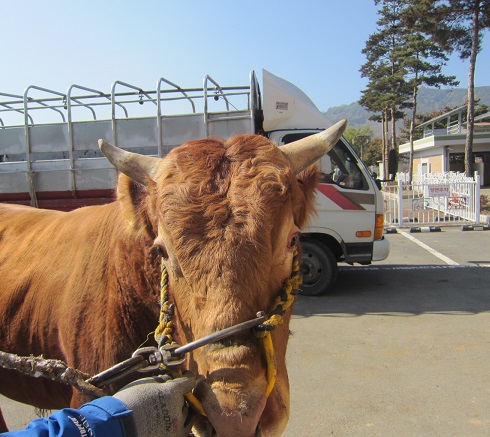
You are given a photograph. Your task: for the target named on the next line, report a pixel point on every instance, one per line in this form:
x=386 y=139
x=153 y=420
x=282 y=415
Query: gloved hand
x=159 y=407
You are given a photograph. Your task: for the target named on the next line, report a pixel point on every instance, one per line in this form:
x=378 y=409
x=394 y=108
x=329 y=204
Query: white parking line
x=429 y=249
x=383 y=267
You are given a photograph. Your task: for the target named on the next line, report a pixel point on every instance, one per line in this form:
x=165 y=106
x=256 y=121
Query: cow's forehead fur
x=224 y=198
x=227 y=193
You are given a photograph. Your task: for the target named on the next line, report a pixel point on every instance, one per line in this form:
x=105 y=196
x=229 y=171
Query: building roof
x=446 y=115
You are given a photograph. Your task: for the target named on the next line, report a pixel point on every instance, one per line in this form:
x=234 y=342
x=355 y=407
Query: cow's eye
x=162 y=251
x=159 y=246
x=294 y=241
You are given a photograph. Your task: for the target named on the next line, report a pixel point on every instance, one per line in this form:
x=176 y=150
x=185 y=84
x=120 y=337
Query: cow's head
x=226 y=216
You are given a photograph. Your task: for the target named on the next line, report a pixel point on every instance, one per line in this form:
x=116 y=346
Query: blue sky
x=314 y=44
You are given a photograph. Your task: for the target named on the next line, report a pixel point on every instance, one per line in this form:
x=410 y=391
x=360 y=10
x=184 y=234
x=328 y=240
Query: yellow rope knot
x=164 y=330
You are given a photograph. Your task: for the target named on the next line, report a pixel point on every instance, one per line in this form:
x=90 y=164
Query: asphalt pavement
x=400 y=348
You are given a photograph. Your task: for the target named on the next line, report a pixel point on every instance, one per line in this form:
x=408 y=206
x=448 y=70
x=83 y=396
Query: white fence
x=436 y=199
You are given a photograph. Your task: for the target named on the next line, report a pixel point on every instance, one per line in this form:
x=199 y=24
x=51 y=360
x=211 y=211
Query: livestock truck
x=50 y=158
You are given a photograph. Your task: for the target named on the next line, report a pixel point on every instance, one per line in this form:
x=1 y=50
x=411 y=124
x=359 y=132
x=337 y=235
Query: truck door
x=346 y=204
x=344 y=227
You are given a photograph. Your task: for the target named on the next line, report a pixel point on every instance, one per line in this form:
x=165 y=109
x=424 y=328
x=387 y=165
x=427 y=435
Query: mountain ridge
x=429 y=100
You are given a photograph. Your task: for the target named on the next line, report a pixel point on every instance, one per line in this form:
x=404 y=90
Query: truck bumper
x=381 y=249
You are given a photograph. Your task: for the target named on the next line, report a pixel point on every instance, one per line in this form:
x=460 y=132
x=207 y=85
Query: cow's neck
x=135 y=299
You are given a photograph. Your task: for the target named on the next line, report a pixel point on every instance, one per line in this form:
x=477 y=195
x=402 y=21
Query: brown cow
x=83 y=286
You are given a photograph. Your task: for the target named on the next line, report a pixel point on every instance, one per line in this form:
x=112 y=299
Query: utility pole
x=363 y=141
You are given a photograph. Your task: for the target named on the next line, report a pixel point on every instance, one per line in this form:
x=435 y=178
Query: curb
x=475 y=228
x=425 y=229
x=418 y=229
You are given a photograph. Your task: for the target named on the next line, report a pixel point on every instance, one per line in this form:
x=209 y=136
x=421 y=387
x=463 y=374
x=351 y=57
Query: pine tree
x=458 y=25
x=401 y=56
x=386 y=92
x=423 y=60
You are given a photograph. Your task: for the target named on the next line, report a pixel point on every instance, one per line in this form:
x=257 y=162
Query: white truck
x=55 y=163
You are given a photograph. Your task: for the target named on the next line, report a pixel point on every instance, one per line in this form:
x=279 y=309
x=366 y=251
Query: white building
x=442 y=147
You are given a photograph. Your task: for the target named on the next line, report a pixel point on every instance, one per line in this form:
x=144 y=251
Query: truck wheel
x=318 y=267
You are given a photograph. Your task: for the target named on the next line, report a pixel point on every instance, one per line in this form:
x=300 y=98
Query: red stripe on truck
x=338 y=197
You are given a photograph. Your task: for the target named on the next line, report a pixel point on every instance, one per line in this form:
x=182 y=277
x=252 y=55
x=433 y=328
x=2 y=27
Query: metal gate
x=436 y=199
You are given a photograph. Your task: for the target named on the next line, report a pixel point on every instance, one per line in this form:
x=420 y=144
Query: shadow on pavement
x=402 y=291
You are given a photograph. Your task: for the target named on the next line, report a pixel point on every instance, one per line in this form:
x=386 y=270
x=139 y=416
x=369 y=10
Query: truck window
x=339 y=166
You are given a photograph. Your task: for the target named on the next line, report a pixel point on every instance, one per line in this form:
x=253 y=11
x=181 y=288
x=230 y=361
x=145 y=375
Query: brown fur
x=83 y=286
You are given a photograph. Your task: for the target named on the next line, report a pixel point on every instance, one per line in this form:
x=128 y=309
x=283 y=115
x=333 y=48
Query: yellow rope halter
x=164 y=330
x=282 y=303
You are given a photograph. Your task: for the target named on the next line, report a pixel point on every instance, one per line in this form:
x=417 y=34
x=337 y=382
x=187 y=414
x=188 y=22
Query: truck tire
x=318 y=267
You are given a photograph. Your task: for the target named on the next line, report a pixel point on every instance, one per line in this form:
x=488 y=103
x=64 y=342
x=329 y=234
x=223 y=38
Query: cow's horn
x=138 y=167
x=306 y=151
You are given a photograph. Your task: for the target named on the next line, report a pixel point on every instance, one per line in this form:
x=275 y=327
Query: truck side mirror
x=392 y=164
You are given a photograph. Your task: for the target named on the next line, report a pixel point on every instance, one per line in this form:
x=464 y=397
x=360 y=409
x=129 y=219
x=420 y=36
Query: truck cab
x=349 y=220
x=348 y=225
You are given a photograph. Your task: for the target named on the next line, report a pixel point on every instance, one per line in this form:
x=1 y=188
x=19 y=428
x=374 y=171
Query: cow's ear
x=134 y=201
x=307 y=181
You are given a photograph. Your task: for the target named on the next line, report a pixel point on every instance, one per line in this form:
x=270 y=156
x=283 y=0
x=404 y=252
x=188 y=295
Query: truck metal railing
x=219 y=92
x=27 y=132
x=140 y=92
x=66 y=101
x=28 y=100
x=10 y=108
x=54 y=130
x=159 y=107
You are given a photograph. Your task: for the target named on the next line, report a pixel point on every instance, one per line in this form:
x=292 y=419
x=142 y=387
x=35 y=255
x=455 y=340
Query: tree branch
x=55 y=370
